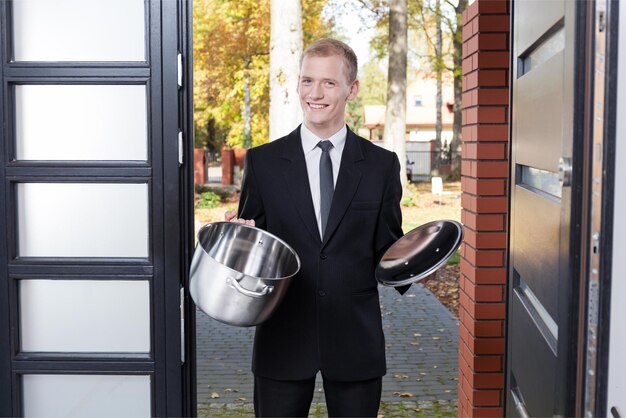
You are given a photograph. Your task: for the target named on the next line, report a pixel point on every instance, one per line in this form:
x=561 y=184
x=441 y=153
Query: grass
x=426 y=207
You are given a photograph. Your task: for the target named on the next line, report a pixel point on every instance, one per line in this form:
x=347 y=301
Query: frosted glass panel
x=84 y=316
x=81 y=122
x=86 y=395
x=82 y=220
x=79 y=30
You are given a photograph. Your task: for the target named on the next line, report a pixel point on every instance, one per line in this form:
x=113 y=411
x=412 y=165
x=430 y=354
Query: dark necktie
x=327 y=185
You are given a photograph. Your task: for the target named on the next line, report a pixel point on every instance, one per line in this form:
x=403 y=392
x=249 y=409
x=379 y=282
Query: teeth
x=316 y=106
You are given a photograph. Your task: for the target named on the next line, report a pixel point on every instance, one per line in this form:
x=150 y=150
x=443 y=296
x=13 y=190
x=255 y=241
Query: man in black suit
x=330 y=319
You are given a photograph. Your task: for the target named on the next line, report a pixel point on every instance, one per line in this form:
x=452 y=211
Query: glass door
x=91 y=175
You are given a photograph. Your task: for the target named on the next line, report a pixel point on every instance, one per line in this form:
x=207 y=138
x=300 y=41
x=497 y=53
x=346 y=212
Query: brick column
x=200 y=172
x=484 y=171
x=228 y=162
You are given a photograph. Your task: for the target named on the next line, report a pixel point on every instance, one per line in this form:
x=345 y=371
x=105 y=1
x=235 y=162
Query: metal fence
x=214 y=166
x=421 y=165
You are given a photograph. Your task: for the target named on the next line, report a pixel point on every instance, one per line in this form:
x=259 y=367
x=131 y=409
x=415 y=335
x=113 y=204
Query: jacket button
x=321 y=293
x=323 y=256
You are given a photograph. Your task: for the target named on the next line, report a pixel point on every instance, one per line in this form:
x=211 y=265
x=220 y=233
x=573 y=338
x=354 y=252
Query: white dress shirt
x=312 y=155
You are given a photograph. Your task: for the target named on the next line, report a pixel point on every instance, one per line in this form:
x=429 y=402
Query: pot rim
x=239 y=274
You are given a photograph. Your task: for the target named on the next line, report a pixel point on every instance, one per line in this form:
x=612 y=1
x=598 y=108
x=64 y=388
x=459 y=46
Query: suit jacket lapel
x=297 y=180
x=347 y=184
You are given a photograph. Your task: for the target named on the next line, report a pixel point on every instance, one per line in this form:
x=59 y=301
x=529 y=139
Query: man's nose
x=316 y=91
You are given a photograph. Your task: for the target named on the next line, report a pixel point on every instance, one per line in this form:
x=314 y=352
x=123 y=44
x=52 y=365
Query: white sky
x=349 y=18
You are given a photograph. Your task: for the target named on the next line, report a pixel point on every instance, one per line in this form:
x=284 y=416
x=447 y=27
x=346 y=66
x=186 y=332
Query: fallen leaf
x=215 y=395
x=400 y=376
x=241 y=399
x=436 y=338
x=228 y=390
x=417 y=335
x=406 y=395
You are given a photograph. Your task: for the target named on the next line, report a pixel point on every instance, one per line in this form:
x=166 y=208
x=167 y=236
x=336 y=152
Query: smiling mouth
x=317 y=106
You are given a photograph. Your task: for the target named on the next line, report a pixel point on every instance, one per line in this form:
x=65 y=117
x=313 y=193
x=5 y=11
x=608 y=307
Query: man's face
x=324 y=91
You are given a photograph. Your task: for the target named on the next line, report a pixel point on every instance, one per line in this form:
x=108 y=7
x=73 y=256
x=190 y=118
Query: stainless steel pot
x=419 y=253
x=239 y=274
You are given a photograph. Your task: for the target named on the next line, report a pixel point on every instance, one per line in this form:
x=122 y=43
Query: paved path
x=421 y=338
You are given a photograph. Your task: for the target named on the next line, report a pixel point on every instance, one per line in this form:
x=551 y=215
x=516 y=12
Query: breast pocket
x=365 y=205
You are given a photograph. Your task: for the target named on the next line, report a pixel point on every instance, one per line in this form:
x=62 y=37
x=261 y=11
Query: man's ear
x=354 y=90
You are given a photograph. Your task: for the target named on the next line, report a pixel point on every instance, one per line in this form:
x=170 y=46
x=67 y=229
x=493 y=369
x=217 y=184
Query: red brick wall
x=200 y=173
x=484 y=171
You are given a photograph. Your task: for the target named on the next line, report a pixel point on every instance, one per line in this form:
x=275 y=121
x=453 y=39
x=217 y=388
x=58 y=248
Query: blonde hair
x=327 y=47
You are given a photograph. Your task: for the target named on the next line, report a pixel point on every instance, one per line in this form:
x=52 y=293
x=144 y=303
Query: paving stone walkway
x=421 y=337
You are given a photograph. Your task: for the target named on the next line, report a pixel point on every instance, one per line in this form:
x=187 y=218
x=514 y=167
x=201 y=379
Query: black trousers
x=292 y=398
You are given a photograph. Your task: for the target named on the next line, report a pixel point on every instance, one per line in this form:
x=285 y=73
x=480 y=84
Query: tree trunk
x=438 y=71
x=457 y=42
x=395 y=118
x=247 y=139
x=285 y=51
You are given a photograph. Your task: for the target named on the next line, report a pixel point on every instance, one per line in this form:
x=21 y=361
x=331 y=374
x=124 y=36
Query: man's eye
x=306 y=82
x=330 y=84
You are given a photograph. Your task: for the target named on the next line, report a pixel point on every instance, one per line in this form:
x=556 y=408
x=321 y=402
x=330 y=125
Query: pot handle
x=251 y=293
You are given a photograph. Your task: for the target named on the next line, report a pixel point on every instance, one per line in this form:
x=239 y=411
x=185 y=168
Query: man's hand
x=231 y=216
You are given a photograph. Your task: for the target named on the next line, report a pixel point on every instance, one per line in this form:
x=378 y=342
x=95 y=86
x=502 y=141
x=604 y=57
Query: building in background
x=421 y=110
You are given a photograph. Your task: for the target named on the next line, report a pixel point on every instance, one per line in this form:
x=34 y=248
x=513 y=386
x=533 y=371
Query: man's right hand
x=231 y=216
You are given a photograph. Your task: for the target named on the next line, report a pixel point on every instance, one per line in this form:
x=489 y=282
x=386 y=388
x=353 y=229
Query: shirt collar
x=310 y=140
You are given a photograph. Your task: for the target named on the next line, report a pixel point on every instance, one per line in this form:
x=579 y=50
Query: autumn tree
x=441 y=24
x=231 y=68
x=424 y=17
x=230 y=52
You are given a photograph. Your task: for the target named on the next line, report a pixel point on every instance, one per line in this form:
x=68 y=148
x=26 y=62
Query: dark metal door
x=542 y=312
x=93 y=194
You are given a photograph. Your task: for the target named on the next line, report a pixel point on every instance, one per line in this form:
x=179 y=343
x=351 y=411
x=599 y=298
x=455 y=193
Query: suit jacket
x=330 y=317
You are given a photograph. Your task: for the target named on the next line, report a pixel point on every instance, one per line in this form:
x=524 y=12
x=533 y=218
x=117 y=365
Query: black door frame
x=168 y=30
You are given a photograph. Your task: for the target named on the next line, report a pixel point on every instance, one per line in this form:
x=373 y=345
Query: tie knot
x=325 y=145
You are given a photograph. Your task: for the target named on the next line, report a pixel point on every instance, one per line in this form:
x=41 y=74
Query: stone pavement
x=421 y=337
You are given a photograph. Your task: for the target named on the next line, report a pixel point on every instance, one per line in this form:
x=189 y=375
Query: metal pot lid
x=419 y=253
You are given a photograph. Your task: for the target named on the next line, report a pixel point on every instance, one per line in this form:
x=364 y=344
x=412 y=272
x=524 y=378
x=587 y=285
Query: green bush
x=407 y=201
x=209 y=200
x=200 y=188
x=455 y=259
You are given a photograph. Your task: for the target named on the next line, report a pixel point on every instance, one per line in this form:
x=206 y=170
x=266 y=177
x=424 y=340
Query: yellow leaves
x=403 y=394
x=215 y=395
